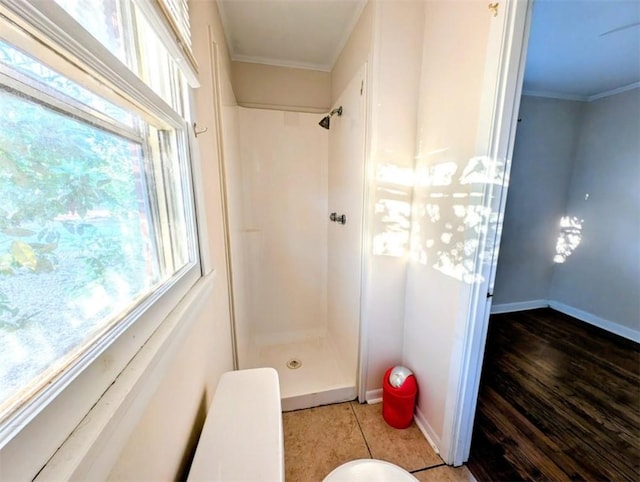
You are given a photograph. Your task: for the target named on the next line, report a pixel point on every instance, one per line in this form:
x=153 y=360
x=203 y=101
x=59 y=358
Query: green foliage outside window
x=69 y=190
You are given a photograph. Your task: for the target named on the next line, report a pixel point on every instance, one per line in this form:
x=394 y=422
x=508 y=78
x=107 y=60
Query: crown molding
x=347 y=33
x=555 y=95
x=609 y=93
x=580 y=98
x=281 y=63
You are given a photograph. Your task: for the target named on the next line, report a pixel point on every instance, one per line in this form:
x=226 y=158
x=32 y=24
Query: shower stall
x=295 y=218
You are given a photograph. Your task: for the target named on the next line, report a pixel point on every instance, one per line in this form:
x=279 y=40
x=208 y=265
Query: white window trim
x=25 y=85
x=92 y=449
x=58 y=411
x=182 y=56
x=51 y=24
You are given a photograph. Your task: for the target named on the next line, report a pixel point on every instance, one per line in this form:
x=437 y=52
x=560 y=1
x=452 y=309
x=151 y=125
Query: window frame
x=169 y=34
x=59 y=102
x=47 y=32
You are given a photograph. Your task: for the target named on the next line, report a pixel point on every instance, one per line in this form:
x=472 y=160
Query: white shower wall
x=346 y=196
x=283 y=158
x=296 y=275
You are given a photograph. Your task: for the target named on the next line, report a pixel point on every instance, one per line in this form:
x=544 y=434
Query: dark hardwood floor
x=559 y=400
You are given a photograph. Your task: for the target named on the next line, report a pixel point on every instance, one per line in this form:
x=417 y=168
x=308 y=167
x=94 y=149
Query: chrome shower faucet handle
x=342 y=219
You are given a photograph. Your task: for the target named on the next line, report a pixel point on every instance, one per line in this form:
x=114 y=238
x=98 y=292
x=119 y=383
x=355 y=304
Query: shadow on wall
x=194 y=436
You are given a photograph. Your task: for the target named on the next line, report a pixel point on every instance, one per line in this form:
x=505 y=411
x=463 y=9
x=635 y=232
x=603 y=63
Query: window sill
x=93 y=447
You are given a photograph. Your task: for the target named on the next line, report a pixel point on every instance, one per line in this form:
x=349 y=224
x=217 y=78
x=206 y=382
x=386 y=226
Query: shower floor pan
x=310 y=373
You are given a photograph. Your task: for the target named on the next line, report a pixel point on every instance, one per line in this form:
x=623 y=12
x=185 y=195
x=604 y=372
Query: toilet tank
x=242 y=434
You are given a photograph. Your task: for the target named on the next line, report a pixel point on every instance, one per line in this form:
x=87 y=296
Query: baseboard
x=373 y=396
x=607 y=325
x=427 y=430
x=519 y=306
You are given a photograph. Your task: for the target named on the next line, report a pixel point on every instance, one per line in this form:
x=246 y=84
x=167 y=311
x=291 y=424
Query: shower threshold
x=325 y=397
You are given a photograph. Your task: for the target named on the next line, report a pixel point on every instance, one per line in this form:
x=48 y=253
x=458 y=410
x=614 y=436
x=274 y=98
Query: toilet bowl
x=369 y=470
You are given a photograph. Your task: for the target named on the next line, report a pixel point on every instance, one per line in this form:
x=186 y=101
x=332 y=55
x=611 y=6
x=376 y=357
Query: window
x=97 y=221
x=104 y=19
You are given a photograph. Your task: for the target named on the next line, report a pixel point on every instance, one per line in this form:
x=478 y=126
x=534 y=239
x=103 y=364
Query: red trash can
x=398 y=403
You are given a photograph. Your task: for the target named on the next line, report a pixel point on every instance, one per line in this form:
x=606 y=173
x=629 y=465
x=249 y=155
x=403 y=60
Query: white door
x=345 y=189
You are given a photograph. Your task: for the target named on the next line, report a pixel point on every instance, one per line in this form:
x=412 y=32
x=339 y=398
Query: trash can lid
x=398 y=376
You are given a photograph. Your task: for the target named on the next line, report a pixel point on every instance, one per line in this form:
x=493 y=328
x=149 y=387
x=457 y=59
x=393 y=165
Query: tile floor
x=317 y=440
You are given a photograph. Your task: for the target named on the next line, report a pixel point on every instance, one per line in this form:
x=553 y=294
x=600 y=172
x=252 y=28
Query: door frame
x=512 y=33
x=365 y=243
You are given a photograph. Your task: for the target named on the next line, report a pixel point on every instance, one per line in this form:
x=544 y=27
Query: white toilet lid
x=369 y=470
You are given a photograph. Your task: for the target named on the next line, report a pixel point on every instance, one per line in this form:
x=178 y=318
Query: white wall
x=446 y=217
x=246 y=351
x=545 y=145
x=355 y=52
x=393 y=91
x=344 y=243
x=602 y=275
x=281 y=88
x=163 y=439
x=284 y=188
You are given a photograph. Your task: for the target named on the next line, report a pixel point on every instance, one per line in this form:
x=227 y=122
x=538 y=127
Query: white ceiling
x=577 y=48
x=292 y=33
x=582 y=48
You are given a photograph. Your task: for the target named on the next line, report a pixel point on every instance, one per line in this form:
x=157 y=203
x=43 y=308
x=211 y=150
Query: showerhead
x=326 y=120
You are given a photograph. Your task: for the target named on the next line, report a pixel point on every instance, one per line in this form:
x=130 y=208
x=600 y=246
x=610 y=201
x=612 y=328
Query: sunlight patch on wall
x=460 y=241
x=395 y=175
x=392 y=221
x=569 y=238
x=453 y=219
x=438 y=175
x=483 y=170
x=394 y=239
